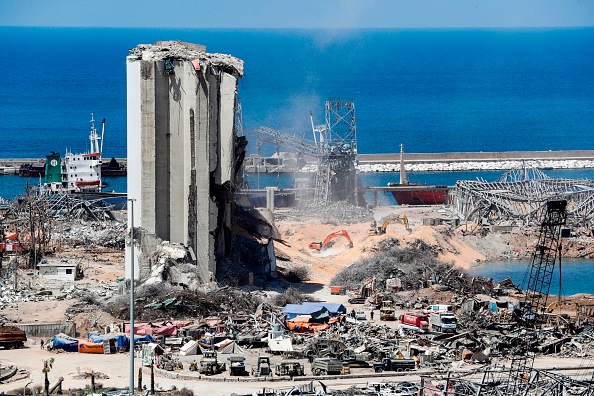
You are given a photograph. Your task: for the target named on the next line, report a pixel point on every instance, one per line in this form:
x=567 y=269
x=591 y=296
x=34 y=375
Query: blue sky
x=298 y=13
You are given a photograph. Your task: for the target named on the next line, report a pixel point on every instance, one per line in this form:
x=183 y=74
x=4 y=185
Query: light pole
x=131 y=200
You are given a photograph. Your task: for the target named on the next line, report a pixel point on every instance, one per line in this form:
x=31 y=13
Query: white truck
x=443 y=322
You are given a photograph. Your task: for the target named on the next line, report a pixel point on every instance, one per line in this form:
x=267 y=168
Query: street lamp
x=131 y=200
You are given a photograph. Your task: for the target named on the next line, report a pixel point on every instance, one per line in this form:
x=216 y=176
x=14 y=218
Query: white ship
x=75 y=173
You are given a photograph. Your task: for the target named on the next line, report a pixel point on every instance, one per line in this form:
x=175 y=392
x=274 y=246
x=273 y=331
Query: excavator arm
x=324 y=244
x=382 y=230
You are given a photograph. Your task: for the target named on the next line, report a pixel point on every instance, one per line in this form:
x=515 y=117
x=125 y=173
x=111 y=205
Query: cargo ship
x=407 y=193
x=75 y=173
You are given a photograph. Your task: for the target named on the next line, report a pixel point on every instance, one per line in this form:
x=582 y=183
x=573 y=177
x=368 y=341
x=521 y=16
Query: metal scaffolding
x=335 y=147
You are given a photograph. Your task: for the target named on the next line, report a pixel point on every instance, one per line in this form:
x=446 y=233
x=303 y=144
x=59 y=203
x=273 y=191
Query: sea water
x=567 y=279
x=432 y=90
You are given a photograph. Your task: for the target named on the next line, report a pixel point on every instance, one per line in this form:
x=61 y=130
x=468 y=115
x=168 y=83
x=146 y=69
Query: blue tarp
x=122 y=341
x=316 y=312
x=332 y=308
x=67 y=343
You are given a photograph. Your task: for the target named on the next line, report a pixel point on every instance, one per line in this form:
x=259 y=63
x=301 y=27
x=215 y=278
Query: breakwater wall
x=424 y=162
x=476 y=161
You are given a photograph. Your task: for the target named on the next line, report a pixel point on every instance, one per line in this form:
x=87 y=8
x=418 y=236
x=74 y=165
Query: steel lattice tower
x=337 y=174
x=546 y=253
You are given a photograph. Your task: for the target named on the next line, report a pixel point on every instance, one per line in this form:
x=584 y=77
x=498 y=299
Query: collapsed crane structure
x=334 y=146
x=519 y=197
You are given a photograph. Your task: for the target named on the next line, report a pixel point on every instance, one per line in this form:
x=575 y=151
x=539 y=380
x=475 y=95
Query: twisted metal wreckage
x=519 y=197
x=521 y=377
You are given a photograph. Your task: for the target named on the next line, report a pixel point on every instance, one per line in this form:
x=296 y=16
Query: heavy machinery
x=387 y=364
x=356 y=359
x=236 y=365
x=561 y=304
x=546 y=255
x=325 y=243
x=263 y=367
x=326 y=366
x=415 y=322
x=387 y=311
x=326 y=347
x=443 y=322
x=209 y=364
x=382 y=230
x=290 y=367
x=12 y=337
x=367 y=289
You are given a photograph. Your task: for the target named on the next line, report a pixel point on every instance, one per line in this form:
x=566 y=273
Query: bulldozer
x=323 y=245
x=382 y=230
x=387 y=311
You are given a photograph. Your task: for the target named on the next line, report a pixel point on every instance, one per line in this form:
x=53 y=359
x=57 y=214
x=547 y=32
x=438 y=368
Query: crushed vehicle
x=326 y=366
x=290 y=367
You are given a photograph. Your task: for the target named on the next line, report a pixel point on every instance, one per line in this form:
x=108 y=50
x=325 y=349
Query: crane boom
x=272 y=136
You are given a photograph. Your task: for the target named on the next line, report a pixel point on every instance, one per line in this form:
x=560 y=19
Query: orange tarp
x=89 y=347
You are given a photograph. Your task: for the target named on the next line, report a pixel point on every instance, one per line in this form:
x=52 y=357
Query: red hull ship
x=424 y=195
x=406 y=193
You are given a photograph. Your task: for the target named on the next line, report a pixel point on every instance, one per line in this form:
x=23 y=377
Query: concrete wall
x=181 y=146
x=47 y=329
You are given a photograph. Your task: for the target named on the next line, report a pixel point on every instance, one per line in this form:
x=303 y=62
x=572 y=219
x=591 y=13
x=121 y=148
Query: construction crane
x=522 y=378
x=382 y=230
x=325 y=243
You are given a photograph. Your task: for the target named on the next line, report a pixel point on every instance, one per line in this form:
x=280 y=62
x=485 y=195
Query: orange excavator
x=324 y=245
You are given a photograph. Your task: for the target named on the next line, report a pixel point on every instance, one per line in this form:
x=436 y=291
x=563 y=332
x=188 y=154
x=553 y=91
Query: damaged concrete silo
x=182 y=150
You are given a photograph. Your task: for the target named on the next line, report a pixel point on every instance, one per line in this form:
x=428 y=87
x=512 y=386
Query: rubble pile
x=167 y=301
x=13 y=290
x=179 y=50
x=77 y=233
x=290 y=296
x=334 y=213
x=415 y=265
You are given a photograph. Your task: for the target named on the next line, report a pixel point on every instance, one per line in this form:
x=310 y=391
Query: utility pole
x=131 y=201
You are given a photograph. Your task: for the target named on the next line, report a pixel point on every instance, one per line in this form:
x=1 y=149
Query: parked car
x=360 y=315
